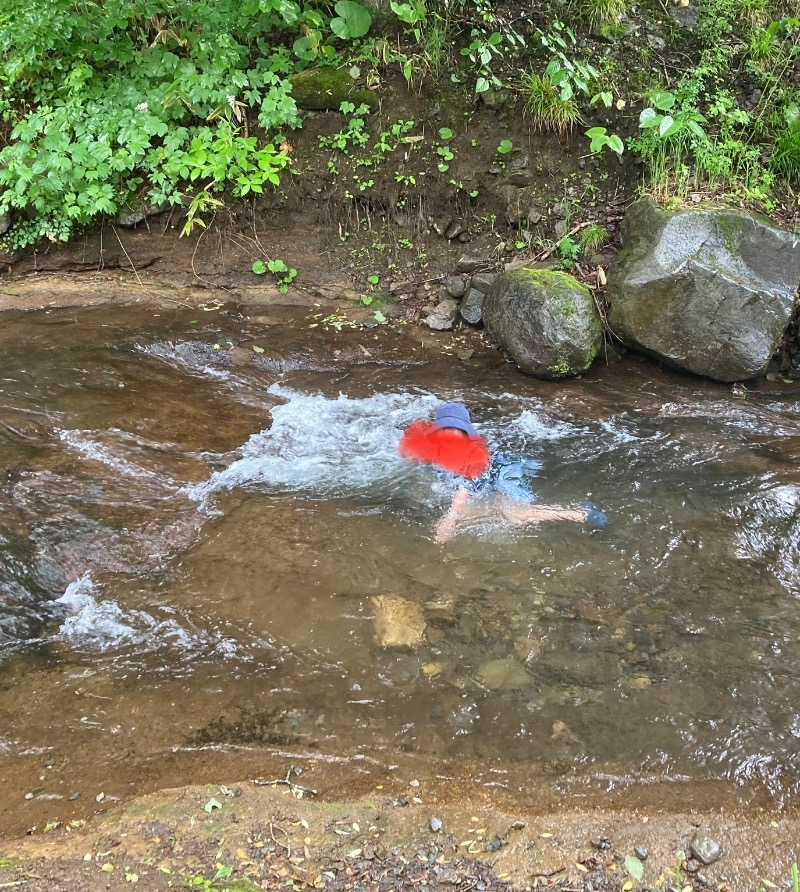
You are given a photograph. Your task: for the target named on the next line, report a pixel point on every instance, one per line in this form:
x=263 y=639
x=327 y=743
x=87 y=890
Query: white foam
x=322 y=447
x=542 y=427
x=89 y=445
x=104 y=625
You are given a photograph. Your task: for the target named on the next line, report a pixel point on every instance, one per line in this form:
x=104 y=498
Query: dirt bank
x=451 y=832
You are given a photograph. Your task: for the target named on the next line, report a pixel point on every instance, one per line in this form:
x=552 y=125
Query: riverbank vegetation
x=189 y=103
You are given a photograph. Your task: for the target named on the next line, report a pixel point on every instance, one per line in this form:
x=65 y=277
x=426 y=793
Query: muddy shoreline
x=392 y=831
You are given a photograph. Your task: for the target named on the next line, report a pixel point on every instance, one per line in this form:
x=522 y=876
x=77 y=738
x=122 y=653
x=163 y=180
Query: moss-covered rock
x=320 y=89
x=546 y=321
x=710 y=291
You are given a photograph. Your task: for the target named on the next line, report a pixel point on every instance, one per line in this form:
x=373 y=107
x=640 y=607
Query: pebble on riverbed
x=399 y=623
x=705 y=849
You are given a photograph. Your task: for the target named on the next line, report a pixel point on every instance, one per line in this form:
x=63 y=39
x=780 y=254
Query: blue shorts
x=507 y=475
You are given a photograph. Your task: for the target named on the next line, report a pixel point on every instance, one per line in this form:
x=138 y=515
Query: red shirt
x=452 y=450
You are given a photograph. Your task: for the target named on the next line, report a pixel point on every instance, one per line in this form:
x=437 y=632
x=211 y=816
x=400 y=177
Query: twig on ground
x=194 y=254
x=127 y=255
x=277 y=843
x=260 y=782
x=549 y=873
x=550 y=251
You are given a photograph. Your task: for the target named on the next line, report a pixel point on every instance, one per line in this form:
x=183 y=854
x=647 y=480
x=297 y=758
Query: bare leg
x=446 y=527
x=522 y=513
x=466 y=512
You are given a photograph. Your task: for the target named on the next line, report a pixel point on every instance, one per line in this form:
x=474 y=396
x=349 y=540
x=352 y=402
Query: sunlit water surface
x=192 y=536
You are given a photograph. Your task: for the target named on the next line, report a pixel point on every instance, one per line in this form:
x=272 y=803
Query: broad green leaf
x=258 y=267
x=616 y=144
x=211 y=805
x=663 y=101
x=353 y=20
x=649 y=118
x=665 y=125
x=634 y=867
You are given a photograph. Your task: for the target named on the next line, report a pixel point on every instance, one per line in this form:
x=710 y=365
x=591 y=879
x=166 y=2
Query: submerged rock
x=709 y=291
x=399 y=623
x=546 y=321
x=503 y=674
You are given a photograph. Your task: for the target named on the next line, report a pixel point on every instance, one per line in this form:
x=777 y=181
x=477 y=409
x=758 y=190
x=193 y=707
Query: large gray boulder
x=710 y=291
x=546 y=321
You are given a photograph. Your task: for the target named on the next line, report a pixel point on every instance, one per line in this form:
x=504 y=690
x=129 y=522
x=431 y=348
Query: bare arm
x=446 y=526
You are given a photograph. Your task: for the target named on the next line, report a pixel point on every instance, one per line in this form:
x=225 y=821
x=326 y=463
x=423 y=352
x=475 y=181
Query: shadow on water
x=193 y=534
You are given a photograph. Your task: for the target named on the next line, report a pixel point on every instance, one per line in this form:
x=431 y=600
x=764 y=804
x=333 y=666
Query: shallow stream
x=193 y=530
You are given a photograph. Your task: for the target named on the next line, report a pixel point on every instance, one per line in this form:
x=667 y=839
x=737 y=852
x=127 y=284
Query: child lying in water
x=451 y=442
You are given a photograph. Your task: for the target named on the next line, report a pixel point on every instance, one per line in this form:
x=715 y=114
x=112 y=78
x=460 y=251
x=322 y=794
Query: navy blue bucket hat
x=454 y=415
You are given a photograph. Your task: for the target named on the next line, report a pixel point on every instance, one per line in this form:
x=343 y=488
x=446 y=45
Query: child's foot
x=595 y=518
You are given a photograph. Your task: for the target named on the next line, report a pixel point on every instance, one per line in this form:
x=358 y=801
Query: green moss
x=613 y=32
x=729 y=226
x=562 y=369
x=320 y=89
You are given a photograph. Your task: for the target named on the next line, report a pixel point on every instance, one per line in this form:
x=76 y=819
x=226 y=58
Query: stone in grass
x=321 y=89
x=471 y=308
x=704 y=848
x=455 y=286
x=443 y=316
x=399 y=623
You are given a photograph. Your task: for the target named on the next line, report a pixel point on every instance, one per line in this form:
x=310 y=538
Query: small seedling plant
x=284 y=275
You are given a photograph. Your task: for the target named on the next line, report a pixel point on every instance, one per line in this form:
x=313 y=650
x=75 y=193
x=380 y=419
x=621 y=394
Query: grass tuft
x=603 y=12
x=593 y=238
x=545 y=108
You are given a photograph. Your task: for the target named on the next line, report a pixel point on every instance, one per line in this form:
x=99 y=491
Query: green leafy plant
x=352 y=20
x=600 y=138
x=670 y=121
x=675 y=874
x=569 y=251
x=110 y=107
x=505 y=147
x=446 y=155
x=545 y=108
x=786 y=156
x=634 y=867
x=550 y=102
x=284 y=275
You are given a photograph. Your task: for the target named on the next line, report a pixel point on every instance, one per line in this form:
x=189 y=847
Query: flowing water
x=193 y=532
